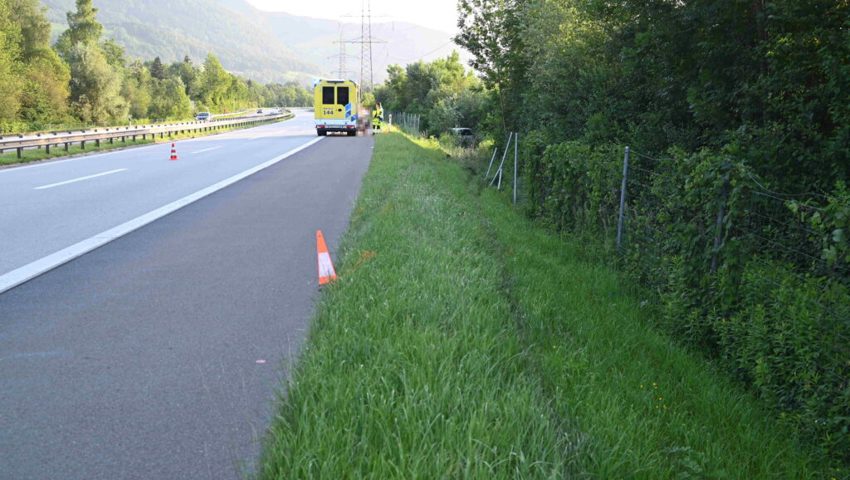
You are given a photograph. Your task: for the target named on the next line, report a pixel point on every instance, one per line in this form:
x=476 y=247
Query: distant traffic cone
x=326 y=268
x=173 y=152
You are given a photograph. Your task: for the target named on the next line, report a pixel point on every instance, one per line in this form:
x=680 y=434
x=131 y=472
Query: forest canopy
x=86 y=79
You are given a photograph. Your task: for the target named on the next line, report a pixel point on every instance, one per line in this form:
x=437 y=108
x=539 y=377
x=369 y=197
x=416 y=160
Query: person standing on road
x=377 y=117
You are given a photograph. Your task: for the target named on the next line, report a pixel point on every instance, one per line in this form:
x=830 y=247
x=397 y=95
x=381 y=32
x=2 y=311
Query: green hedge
x=763 y=289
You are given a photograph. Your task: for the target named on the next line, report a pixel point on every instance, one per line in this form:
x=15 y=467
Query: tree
x=96 y=70
x=83 y=28
x=44 y=100
x=237 y=94
x=489 y=30
x=114 y=54
x=157 y=69
x=137 y=90
x=95 y=87
x=44 y=77
x=442 y=91
x=35 y=28
x=10 y=66
x=170 y=101
x=214 y=83
x=188 y=73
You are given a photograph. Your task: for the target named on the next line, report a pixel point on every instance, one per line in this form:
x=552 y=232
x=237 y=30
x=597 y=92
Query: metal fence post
x=502 y=163
x=516 y=156
x=718 y=227
x=492 y=159
x=622 y=201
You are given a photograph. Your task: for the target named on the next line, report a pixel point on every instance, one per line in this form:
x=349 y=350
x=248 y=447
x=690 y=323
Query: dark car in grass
x=465 y=136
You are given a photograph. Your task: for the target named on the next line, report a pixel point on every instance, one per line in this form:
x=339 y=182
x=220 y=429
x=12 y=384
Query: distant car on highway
x=259 y=111
x=203 y=116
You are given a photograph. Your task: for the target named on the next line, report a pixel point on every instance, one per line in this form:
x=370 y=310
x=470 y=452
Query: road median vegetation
x=464 y=341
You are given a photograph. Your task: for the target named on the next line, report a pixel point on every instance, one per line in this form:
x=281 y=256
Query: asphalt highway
x=49 y=206
x=159 y=354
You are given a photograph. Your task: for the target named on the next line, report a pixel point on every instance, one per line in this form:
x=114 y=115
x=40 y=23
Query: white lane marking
x=206 y=150
x=80 y=179
x=47 y=163
x=31 y=270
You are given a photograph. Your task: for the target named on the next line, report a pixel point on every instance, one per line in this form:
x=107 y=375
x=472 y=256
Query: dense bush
x=573 y=185
x=737 y=114
x=789 y=337
x=443 y=93
x=697 y=234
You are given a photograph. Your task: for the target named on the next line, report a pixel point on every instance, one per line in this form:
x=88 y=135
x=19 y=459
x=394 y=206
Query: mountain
x=263 y=46
x=401 y=42
x=171 y=29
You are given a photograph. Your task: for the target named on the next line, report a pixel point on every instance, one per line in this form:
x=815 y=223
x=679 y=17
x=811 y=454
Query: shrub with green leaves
x=735 y=269
x=573 y=185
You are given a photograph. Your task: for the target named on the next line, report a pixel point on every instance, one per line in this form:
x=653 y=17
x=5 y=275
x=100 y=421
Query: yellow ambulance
x=336 y=106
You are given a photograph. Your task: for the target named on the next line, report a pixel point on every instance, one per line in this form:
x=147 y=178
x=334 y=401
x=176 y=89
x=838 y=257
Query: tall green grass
x=463 y=342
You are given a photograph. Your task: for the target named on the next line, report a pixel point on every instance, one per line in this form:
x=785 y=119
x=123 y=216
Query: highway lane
x=37 y=221
x=158 y=354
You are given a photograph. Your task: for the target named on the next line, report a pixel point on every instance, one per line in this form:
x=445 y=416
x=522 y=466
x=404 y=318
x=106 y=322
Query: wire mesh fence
x=741 y=270
x=410 y=123
x=735 y=268
x=507 y=168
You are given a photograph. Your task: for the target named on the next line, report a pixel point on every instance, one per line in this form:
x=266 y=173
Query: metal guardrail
x=67 y=138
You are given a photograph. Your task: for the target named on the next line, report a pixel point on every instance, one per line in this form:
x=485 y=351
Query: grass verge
x=462 y=341
x=56 y=152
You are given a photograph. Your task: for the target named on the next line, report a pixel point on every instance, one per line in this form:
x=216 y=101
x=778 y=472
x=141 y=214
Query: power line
x=343 y=56
x=366 y=40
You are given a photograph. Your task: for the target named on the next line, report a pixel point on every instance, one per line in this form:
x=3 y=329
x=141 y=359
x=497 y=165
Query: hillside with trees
x=172 y=30
x=263 y=46
x=86 y=79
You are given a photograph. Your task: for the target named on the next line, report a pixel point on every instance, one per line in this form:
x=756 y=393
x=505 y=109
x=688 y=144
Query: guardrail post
x=97 y=143
x=66 y=146
x=20 y=153
x=47 y=149
x=83 y=145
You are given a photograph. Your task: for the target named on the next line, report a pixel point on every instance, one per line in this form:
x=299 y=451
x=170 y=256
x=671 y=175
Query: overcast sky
x=438 y=14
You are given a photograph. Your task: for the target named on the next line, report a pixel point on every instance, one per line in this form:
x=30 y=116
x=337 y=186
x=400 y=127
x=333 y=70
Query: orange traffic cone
x=326 y=268
x=173 y=152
